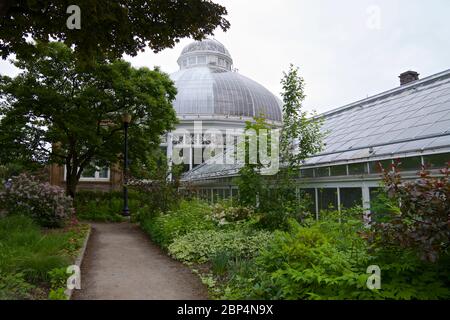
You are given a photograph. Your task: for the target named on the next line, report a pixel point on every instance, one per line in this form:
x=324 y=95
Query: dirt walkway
x=122 y=263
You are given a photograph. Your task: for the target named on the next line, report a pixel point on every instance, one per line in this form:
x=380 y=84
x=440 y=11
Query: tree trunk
x=71 y=184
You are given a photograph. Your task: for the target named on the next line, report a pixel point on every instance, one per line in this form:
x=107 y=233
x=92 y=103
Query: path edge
x=79 y=260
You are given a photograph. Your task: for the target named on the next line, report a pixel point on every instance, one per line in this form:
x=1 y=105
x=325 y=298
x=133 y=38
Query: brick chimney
x=408 y=77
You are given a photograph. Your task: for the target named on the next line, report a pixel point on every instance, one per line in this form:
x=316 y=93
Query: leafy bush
x=101 y=206
x=46 y=204
x=188 y=217
x=57 y=294
x=14 y=287
x=328 y=260
x=159 y=195
x=205 y=245
x=58 y=284
x=422 y=221
x=224 y=212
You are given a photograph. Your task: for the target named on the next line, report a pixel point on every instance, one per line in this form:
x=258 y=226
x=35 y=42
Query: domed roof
x=211 y=45
x=207 y=86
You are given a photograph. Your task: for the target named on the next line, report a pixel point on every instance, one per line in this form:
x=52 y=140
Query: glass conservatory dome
x=207 y=86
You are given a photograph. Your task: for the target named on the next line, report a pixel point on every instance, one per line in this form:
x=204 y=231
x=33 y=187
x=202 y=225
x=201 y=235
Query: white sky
x=344 y=49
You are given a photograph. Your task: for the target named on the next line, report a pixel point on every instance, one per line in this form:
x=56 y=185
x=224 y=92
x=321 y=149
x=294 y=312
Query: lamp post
x=126 y=122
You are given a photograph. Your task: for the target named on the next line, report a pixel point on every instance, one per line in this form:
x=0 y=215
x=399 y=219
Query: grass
x=29 y=253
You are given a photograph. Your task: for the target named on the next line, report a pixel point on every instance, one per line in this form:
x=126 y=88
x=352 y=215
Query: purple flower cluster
x=48 y=205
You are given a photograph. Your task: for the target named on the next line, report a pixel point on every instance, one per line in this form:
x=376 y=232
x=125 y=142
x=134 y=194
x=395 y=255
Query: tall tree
x=301 y=135
x=79 y=112
x=109 y=28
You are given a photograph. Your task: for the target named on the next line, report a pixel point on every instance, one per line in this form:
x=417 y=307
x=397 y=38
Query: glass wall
x=323 y=171
x=437 y=161
x=409 y=164
x=338 y=170
x=307 y=173
x=327 y=198
x=350 y=197
x=357 y=168
x=374 y=166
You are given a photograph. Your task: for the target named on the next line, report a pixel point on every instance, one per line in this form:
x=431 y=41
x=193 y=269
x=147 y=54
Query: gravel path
x=122 y=263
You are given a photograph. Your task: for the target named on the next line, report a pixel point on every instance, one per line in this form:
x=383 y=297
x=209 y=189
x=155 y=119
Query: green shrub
x=188 y=217
x=328 y=260
x=99 y=206
x=58 y=284
x=160 y=195
x=58 y=278
x=205 y=245
x=57 y=294
x=14 y=287
x=46 y=204
x=225 y=212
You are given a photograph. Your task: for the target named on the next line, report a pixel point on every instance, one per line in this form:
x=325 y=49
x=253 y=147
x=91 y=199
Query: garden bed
x=33 y=260
x=325 y=259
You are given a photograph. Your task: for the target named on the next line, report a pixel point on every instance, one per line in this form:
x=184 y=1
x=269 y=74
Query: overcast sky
x=346 y=49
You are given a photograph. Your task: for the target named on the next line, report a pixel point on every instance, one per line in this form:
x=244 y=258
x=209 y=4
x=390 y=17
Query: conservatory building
x=408 y=125
x=213 y=96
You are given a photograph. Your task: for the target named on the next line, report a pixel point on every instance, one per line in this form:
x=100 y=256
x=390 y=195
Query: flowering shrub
x=46 y=204
x=224 y=212
x=201 y=246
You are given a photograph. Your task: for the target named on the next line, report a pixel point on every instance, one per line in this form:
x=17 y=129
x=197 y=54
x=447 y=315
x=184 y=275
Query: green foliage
x=46 y=204
x=275 y=199
x=121 y=26
x=102 y=206
x=328 y=260
x=58 y=284
x=57 y=294
x=301 y=135
x=382 y=206
x=58 y=278
x=220 y=261
x=79 y=112
x=250 y=181
x=205 y=245
x=14 y=287
x=189 y=216
x=155 y=196
x=24 y=249
x=325 y=259
x=27 y=250
x=224 y=212
x=280 y=203
x=405 y=276
x=9 y=168
x=305 y=263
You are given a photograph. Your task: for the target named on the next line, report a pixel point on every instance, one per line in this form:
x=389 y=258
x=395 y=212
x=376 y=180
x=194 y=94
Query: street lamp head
x=126 y=118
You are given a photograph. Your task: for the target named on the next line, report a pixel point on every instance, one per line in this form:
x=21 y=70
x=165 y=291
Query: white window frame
x=92 y=179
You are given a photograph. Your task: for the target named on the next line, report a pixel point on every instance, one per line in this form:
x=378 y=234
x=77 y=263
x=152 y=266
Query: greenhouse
x=408 y=125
